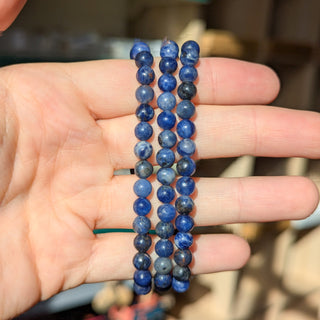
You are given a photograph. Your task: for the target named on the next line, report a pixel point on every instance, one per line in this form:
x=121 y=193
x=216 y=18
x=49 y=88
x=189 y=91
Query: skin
x=65 y=128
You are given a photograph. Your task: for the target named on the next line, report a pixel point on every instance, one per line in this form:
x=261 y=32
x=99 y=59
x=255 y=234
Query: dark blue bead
x=163 y=265
x=190 y=53
x=143 y=169
x=169 y=49
x=164 y=248
x=142 y=188
x=165 y=194
x=183 y=257
x=191 y=45
x=184 y=204
x=183 y=240
x=166 y=212
x=162 y=281
x=165 y=157
x=144 y=94
x=140 y=290
x=143 y=150
x=186 y=147
x=142 y=277
x=168 y=65
x=166 y=101
x=181 y=273
x=144 y=112
x=187 y=90
x=186 y=166
x=185 y=186
x=166 y=176
x=141 y=206
x=180 y=286
x=166 y=120
x=167 y=82
x=141 y=224
x=141 y=261
x=185 y=109
x=145 y=75
x=184 y=223
x=167 y=139
x=144 y=58
x=164 y=229
x=186 y=128
x=188 y=73
x=142 y=242
x=137 y=47
x=143 y=131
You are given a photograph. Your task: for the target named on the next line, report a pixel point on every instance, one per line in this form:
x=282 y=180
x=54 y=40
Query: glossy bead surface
x=145 y=75
x=185 y=186
x=167 y=139
x=166 y=176
x=141 y=290
x=165 y=194
x=181 y=273
x=164 y=229
x=169 y=49
x=142 y=277
x=165 y=158
x=144 y=94
x=183 y=240
x=166 y=120
x=141 y=261
x=184 y=204
x=137 y=47
x=144 y=58
x=183 y=257
x=180 y=286
x=184 y=223
x=186 y=147
x=188 y=73
x=186 y=128
x=142 y=188
x=141 y=206
x=141 y=224
x=167 y=82
x=191 y=45
x=166 y=212
x=163 y=265
x=143 y=131
x=142 y=242
x=162 y=281
x=168 y=65
x=164 y=248
x=166 y=101
x=190 y=53
x=186 y=166
x=144 y=112
x=187 y=90
x=185 y=109
x=143 y=150
x=143 y=169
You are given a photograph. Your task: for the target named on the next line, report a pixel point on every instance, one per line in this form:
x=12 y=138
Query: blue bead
x=166 y=212
x=186 y=166
x=169 y=49
x=168 y=65
x=183 y=240
x=141 y=206
x=166 y=101
x=162 y=281
x=164 y=229
x=142 y=242
x=166 y=120
x=180 y=286
x=143 y=169
x=167 y=82
x=165 y=157
x=191 y=45
x=140 y=290
x=145 y=75
x=141 y=261
x=185 y=109
x=144 y=94
x=163 y=265
x=189 y=53
x=144 y=58
x=142 y=277
x=183 y=257
x=137 y=47
x=143 y=150
x=181 y=273
x=186 y=147
x=187 y=90
x=143 y=131
x=188 y=73
x=166 y=176
x=142 y=188
x=184 y=204
x=184 y=223
x=141 y=224
x=167 y=139
x=186 y=128
x=144 y=112
x=165 y=194
x=185 y=186
x=164 y=248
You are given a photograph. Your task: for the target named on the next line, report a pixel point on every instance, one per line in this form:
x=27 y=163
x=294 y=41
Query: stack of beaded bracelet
x=140 y=52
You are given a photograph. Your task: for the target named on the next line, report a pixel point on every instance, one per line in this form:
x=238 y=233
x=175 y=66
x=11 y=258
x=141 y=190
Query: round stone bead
x=145 y=75
x=144 y=94
x=141 y=224
x=187 y=90
x=186 y=128
x=184 y=204
x=164 y=248
x=166 y=120
x=144 y=112
x=186 y=147
x=142 y=188
x=143 y=150
x=165 y=194
x=183 y=240
x=144 y=58
x=167 y=139
x=167 y=82
x=141 y=261
x=190 y=53
x=180 y=286
x=181 y=273
x=143 y=131
x=165 y=158
x=162 y=281
x=169 y=49
x=166 y=176
x=184 y=223
x=137 y=47
x=168 y=65
x=185 y=186
x=166 y=101
x=143 y=169
x=142 y=277
x=191 y=45
x=140 y=290
x=142 y=242
x=163 y=265
x=141 y=206
x=188 y=73
x=166 y=212
x=185 y=109
x=183 y=257
x=164 y=229
x=186 y=166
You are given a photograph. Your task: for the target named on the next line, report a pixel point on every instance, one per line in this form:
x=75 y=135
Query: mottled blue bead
x=143 y=169
x=186 y=128
x=191 y=45
x=163 y=265
x=145 y=75
x=184 y=223
x=165 y=194
x=181 y=273
x=142 y=188
x=137 y=47
x=166 y=101
x=187 y=90
x=183 y=257
x=142 y=242
x=141 y=290
x=144 y=112
x=164 y=229
x=143 y=150
x=144 y=94
x=166 y=212
x=167 y=82
x=166 y=120
x=180 y=286
x=143 y=131
x=169 y=49
x=186 y=147
x=168 y=65
x=141 y=206
x=183 y=240
x=144 y=58
x=190 y=53
x=167 y=139
x=164 y=248
x=185 y=186
x=141 y=261
x=186 y=166
x=184 y=204
x=188 y=73
x=166 y=176
x=185 y=109
x=162 y=281
x=142 y=277
x=165 y=158
x=141 y=224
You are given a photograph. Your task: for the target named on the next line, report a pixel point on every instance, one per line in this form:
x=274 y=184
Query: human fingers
x=9 y=11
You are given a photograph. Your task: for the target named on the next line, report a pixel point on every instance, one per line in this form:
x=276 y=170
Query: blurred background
x=282 y=279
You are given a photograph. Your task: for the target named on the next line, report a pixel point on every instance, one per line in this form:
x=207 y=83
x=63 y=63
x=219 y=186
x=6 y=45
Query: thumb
x=9 y=9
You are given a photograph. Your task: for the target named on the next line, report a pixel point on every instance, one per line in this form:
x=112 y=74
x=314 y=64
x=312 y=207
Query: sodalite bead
x=144 y=94
x=167 y=82
x=169 y=49
x=162 y=281
x=186 y=128
x=166 y=120
x=188 y=73
x=184 y=223
x=141 y=261
x=183 y=257
x=186 y=166
x=187 y=90
x=143 y=131
x=142 y=277
x=184 y=204
x=145 y=75
x=166 y=101
x=145 y=112
x=143 y=150
x=142 y=188
x=164 y=248
x=185 y=186
x=164 y=229
x=144 y=58
x=165 y=157
x=142 y=242
x=141 y=224
x=168 y=65
x=165 y=194
x=190 y=53
x=181 y=273
x=141 y=206
x=180 y=286
x=166 y=176
x=143 y=169
x=167 y=139
x=166 y=212
x=185 y=109
x=141 y=290
x=183 y=240
x=186 y=147
x=163 y=265
x=137 y=47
